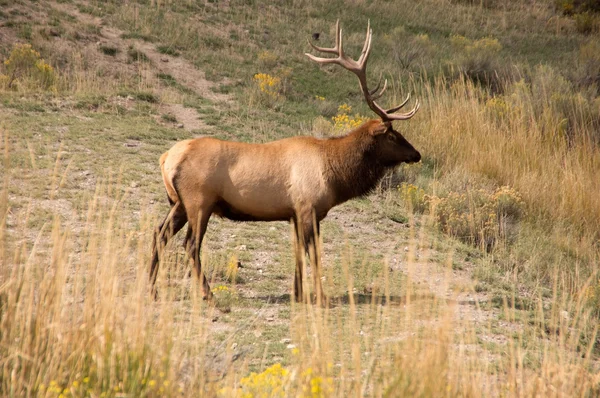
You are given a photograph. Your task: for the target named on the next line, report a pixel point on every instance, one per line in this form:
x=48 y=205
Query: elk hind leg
x=172 y=223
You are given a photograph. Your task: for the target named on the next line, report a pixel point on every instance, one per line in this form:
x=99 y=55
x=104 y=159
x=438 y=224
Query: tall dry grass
x=76 y=319
x=539 y=137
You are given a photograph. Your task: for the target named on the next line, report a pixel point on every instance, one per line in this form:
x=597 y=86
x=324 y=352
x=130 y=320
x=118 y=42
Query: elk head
x=391 y=147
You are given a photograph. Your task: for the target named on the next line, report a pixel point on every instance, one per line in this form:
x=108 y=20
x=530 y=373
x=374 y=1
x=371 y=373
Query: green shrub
x=25 y=68
x=479 y=217
x=588 y=66
x=570 y=7
x=168 y=50
x=479 y=60
x=109 y=50
x=414 y=196
x=587 y=23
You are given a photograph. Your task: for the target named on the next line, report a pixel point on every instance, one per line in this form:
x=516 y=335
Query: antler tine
x=364 y=55
x=396 y=108
x=371 y=92
x=376 y=96
x=405 y=116
x=333 y=50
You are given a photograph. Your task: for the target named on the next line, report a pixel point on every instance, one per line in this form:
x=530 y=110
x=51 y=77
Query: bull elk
x=297 y=179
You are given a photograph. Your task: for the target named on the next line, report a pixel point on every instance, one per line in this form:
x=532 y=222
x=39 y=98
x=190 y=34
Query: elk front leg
x=307 y=233
x=299 y=254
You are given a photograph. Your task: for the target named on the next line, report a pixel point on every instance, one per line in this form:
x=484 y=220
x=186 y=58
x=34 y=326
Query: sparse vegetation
x=473 y=273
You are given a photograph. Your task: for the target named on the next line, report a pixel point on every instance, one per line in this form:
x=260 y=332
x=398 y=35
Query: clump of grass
x=168 y=50
x=169 y=118
x=144 y=96
x=109 y=50
x=136 y=55
x=90 y=102
x=138 y=35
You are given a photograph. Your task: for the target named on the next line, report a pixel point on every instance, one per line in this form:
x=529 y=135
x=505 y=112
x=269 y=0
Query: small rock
x=565 y=315
x=164 y=59
x=406 y=249
x=234 y=346
x=133 y=184
x=291 y=346
x=215 y=319
x=180 y=126
x=286 y=341
x=242 y=247
x=270 y=319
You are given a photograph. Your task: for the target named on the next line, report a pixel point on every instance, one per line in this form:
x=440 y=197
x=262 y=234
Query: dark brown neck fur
x=352 y=166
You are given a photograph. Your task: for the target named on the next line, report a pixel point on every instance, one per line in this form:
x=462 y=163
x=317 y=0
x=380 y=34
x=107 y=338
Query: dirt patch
x=182 y=71
x=186 y=118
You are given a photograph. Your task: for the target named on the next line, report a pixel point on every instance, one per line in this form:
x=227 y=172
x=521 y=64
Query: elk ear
x=378 y=127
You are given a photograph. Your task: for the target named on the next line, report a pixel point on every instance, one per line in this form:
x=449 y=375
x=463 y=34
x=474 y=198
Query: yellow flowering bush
x=414 y=196
x=344 y=120
x=267 y=59
x=274 y=382
x=231 y=273
x=478 y=217
x=498 y=108
x=315 y=385
x=224 y=297
x=267 y=384
x=25 y=67
x=592 y=296
x=268 y=88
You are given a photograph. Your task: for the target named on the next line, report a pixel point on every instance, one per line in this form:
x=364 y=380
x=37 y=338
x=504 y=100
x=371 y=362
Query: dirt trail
x=180 y=69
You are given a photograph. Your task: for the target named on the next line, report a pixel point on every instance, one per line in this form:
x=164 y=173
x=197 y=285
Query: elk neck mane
x=351 y=163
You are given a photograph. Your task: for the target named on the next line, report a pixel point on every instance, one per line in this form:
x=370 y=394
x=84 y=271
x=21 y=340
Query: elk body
x=296 y=179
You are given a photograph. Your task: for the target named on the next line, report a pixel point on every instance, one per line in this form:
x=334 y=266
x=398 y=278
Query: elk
x=297 y=179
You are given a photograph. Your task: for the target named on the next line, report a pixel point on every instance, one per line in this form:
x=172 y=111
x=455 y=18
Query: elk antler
x=359 y=69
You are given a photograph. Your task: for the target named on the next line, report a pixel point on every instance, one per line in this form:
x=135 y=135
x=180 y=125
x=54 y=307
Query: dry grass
x=76 y=319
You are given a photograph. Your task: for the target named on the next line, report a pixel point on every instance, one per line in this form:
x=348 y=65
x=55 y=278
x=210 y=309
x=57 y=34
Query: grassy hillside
x=472 y=273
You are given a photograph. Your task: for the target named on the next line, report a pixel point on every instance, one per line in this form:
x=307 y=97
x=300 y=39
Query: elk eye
x=391 y=137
